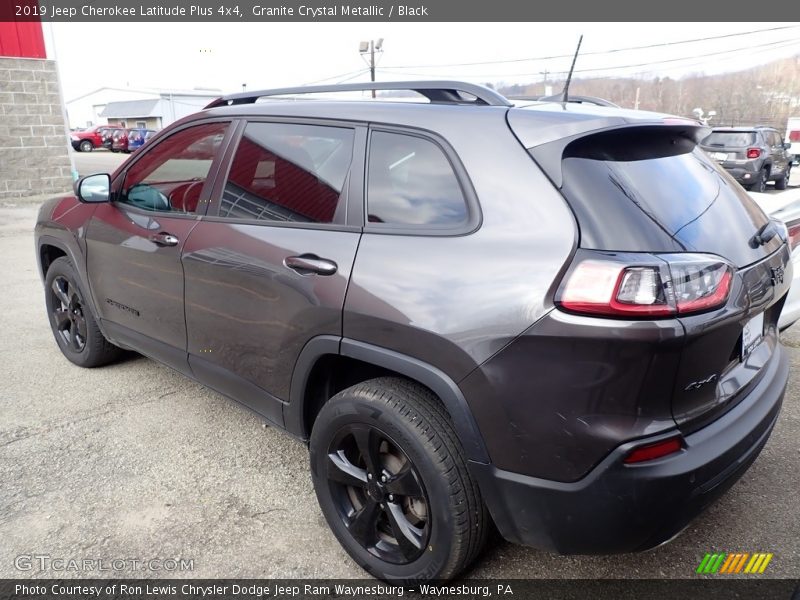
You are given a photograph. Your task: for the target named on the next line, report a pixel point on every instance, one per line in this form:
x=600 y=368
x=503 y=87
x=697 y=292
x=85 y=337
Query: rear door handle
x=307 y=264
x=164 y=239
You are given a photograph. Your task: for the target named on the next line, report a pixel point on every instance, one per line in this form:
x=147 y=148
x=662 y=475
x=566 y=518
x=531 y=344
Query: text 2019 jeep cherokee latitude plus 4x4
x=558 y=318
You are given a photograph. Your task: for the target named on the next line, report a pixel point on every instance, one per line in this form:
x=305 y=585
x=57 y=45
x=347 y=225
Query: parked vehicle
x=558 y=317
x=119 y=140
x=793 y=138
x=752 y=155
x=107 y=135
x=87 y=140
x=786 y=207
x=137 y=137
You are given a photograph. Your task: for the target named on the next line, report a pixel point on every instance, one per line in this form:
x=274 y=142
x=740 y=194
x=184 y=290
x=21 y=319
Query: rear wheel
x=783 y=182
x=392 y=481
x=760 y=184
x=71 y=319
x=86 y=146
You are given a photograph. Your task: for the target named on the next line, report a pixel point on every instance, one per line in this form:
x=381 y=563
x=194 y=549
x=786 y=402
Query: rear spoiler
x=549 y=155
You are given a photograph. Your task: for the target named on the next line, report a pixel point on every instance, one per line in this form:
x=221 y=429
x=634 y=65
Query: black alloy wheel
x=72 y=320
x=393 y=482
x=67 y=313
x=378 y=494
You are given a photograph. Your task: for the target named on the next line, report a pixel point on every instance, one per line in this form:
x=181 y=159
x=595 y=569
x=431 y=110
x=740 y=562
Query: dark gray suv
x=557 y=319
x=752 y=155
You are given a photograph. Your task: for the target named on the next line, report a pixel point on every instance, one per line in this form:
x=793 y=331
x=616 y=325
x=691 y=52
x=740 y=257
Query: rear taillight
x=753 y=153
x=654 y=451
x=794 y=235
x=672 y=284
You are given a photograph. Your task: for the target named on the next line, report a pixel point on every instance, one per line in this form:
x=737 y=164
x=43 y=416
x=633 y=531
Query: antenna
x=569 y=75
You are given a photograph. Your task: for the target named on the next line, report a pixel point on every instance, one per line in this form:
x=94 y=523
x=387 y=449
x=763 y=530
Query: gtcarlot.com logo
x=735 y=563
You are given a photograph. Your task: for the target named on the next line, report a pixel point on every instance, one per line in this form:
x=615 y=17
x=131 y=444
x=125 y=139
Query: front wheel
x=71 y=318
x=392 y=481
x=86 y=146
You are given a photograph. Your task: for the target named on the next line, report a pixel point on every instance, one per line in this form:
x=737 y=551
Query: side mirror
x=787 y=145
x=94 y=188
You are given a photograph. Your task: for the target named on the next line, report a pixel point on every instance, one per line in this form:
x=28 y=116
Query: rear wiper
x=764 y=235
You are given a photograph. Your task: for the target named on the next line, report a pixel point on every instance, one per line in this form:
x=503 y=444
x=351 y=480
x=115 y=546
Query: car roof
x=546 y=120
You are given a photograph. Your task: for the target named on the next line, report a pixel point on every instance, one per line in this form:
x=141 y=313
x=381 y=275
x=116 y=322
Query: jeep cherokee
x=557 y=319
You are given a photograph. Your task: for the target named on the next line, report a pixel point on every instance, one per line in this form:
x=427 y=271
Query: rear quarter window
x=411 y=182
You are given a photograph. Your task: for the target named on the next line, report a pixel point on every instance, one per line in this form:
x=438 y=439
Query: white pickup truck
x=793 y=137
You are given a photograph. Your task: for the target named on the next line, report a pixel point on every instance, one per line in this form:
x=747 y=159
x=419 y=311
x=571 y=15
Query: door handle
x=307 y=264
x=164 y=239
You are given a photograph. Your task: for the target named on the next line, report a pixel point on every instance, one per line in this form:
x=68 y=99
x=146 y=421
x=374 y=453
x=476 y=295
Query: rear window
x=735 y=139
x=651 y=191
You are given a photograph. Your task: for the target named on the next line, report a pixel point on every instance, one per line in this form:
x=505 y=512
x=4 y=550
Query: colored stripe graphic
x=734 y=563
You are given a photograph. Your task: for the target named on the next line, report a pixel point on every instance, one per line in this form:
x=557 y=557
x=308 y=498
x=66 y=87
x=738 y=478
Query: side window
x=411 y=182
x=289 y=172
x=170 y=176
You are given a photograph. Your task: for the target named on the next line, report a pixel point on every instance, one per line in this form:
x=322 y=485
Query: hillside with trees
x=765 y=95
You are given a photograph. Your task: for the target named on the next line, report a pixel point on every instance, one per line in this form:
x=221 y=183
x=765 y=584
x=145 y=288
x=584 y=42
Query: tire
x=783 y=182
x=405 y=508
x=72 y=321
x=760 y=185
x=86 y=146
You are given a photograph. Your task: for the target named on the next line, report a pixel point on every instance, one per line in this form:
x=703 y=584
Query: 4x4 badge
x=777 y=275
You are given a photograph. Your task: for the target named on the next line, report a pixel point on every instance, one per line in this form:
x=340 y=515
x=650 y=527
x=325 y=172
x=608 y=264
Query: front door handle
x=307 y=264
x=164 y=239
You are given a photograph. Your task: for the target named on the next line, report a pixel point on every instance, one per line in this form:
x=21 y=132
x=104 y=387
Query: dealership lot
x=134 y=461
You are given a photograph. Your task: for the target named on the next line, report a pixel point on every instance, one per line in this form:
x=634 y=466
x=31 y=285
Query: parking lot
x=137 y=461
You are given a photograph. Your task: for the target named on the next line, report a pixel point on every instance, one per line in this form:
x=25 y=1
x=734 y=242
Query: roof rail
x=437 y=92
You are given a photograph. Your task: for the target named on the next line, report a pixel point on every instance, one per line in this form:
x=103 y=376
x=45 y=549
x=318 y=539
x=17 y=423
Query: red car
x=88 y=139
x=119 y=141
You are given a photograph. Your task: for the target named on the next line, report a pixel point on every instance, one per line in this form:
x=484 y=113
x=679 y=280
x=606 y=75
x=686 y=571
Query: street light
x=371 y=47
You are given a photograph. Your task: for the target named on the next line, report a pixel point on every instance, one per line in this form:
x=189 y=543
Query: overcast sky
x=224 y=56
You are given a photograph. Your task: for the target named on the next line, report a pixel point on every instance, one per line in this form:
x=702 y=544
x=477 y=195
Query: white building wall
x=85 y=111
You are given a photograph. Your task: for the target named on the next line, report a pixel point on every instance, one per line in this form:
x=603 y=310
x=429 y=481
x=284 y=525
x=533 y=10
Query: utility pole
x=371 y=47
x=545 y=72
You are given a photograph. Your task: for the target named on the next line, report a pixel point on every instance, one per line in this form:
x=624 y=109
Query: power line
x=361 y=72
x=358 y=72
x=597 y=52
x=767 y=45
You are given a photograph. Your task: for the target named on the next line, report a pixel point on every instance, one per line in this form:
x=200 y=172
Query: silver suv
x=752 y=155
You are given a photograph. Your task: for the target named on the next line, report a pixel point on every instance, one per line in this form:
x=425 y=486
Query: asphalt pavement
x=135 y=461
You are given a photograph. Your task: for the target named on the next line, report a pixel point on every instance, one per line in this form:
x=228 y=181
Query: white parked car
x=786 y=207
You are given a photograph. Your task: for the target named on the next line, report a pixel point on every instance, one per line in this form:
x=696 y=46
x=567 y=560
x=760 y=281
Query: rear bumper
x=625 y=508
x=745 y=174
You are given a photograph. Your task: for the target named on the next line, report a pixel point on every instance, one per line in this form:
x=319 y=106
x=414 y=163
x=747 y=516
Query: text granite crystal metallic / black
x=555 y=319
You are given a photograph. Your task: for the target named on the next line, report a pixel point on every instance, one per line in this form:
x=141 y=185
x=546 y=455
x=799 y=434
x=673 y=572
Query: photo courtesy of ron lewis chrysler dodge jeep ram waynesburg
x=555 y=319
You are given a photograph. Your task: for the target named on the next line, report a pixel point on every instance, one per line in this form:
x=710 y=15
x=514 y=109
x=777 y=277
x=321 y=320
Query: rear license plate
x=751 y=333
x=720 y=155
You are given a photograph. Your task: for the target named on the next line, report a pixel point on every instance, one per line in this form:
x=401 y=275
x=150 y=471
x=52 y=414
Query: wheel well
x=330 y=375
x=48 y=254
